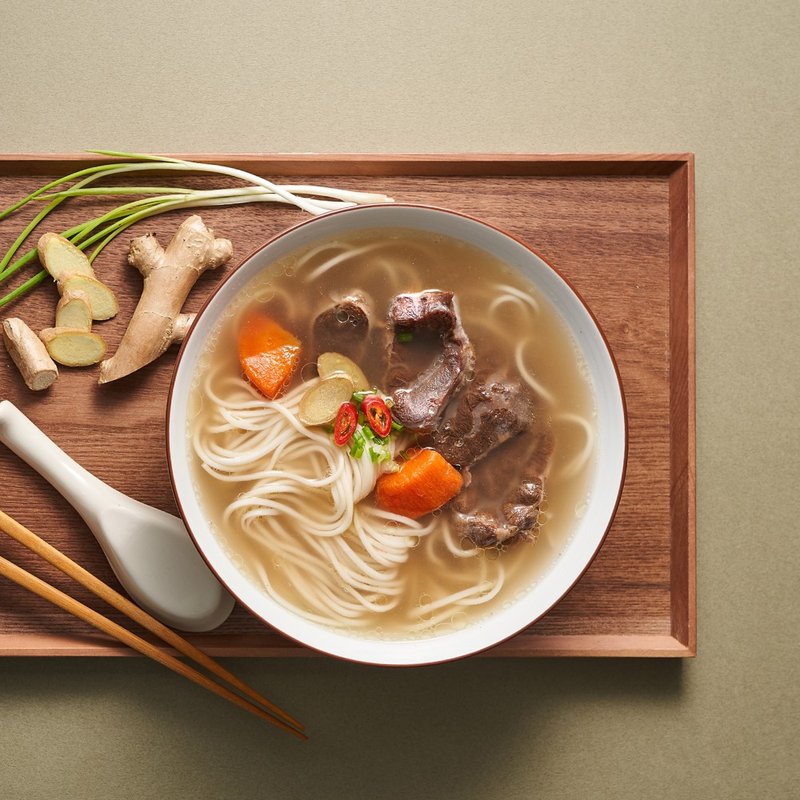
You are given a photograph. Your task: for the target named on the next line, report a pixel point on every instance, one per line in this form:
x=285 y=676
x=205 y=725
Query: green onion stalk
x=98 y=232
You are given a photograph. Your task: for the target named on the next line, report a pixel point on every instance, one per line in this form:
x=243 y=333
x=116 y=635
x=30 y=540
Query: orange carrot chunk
x=424 y=483
x=269 y=355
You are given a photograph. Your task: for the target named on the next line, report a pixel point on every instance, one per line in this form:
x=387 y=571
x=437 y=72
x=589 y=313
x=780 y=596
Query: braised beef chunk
x=488 y=414
x=430 y=310
x=519 y=518
x=429 y=355
x=522 y=509
x=518 y=515
x=342 y=328
x=482 y=529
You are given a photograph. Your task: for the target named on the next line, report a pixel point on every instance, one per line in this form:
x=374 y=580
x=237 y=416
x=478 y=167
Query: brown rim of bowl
x=422 y=206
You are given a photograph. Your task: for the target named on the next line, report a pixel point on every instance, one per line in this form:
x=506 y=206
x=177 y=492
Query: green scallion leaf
x=369 y=434
x=313 y=199
x=359 y=442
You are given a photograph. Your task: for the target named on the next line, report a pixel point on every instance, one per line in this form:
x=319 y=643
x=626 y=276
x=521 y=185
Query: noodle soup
x=297 y=514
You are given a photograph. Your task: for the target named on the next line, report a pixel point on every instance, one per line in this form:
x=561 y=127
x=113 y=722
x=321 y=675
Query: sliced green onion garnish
x=369 y=434
x=359 y=396
x=359 y=442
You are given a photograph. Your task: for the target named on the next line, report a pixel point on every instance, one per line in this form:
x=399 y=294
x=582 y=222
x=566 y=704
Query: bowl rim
x=619 y=384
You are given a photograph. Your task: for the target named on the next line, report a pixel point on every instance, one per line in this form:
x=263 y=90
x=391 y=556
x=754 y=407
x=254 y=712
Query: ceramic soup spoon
x=149 y=550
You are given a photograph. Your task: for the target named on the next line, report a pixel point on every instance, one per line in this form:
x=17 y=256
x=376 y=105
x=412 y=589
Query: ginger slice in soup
x=331 y=363
x=320 y=404
x=269 y=355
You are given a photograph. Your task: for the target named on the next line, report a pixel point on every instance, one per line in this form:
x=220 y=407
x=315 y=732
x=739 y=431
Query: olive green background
x=717 y=78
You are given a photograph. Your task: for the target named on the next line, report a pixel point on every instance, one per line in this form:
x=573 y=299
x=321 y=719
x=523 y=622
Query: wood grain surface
x=619 y=228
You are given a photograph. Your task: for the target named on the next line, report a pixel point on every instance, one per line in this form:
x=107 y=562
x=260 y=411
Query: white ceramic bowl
x=604 y=491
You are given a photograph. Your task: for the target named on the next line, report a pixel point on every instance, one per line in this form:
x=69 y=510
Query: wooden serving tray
x=619 y=227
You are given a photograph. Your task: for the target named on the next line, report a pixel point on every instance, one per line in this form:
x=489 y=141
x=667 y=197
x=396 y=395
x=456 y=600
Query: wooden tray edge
x=540 y=164
x=620 y=646
x=683 y=567
x=680 y=168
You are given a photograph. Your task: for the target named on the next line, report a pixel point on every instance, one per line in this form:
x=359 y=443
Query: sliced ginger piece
x=62 y=258
x=102 y=300
x=74 y=310
x=330 y=363
x=73 y=347
x=30 y=355
x=320 y=404
x=71 y=269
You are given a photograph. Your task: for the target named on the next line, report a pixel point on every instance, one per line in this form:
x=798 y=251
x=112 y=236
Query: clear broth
x=392 y=261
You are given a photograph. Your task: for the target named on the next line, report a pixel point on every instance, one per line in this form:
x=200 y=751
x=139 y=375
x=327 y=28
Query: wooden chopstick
x=42 y=548
x=55 y=557
x=57 y=597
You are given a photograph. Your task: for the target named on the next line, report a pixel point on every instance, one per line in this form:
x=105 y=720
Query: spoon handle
x=149 y=550
x=84 y=491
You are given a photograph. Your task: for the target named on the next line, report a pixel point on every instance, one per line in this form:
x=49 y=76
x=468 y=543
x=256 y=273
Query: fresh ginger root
x=70 y=268
x=29 y=353
x=168 y=275
x=73 y=347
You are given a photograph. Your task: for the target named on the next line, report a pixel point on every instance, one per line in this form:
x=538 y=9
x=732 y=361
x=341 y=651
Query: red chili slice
x=345 y=424
x=377 y=413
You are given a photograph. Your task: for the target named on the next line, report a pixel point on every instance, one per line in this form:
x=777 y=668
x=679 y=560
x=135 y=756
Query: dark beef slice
x=431 y=310
x=420 y=393
x=518 y=520
x=342 y=328
x=484 y=530
x=518 y=515
x=488 y=414
x=522 y=511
